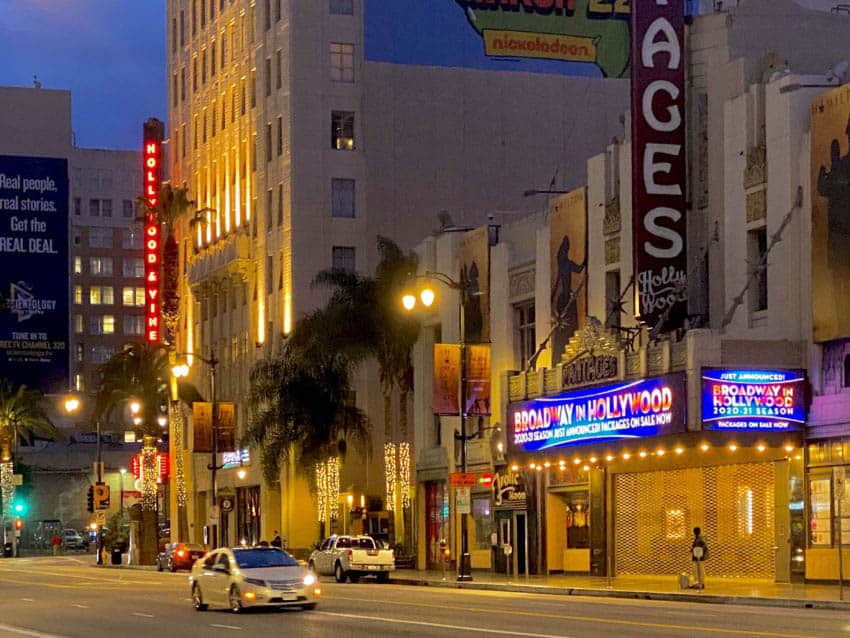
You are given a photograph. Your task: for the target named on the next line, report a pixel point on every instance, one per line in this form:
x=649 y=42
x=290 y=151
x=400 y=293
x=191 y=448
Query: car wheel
x=198 y=599
x=308 y=607
x=339 y=573
x=383 y=577
x=235 y=600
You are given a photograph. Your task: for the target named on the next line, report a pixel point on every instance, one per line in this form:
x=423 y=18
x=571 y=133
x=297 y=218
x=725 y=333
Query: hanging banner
x=658 y=161
x=568 y=262
x=474 y=253
x=34 y=272
x=225 y=426
x=628 y=410
x=831 y=214
x=753 y=400
x=152 y=136
x=478 y=380
x=446 y=399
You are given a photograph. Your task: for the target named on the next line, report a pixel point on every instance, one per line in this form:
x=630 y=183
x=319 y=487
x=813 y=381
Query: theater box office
x=618 y=475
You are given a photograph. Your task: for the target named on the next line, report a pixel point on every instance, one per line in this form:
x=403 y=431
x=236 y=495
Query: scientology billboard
x=34 y=271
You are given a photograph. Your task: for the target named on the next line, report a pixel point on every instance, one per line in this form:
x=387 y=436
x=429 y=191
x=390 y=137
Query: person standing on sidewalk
x=56 y=544
x=699 y=554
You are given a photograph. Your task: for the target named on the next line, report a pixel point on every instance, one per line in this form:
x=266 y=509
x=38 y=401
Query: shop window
x=821 y=511
x=481 y=514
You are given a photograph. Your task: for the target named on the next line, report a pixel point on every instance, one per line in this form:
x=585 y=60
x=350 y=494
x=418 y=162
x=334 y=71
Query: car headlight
x=255 y=581
x=309 y=579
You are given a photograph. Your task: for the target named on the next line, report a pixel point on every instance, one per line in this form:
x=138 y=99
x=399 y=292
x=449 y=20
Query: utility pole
x=212 y=362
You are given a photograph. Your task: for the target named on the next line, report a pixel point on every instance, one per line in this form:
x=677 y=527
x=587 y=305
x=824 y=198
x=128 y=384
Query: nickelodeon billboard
x=566 y=37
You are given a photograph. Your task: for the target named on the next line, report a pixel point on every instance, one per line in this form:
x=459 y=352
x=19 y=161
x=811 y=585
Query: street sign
x=463 y=479
x=101 y=496
x=463 y=500
x=226 y=504
x=100 y=517
x=839 y=480
x=17 y=479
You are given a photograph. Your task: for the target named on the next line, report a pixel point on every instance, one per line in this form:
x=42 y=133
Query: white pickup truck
x=352 y=557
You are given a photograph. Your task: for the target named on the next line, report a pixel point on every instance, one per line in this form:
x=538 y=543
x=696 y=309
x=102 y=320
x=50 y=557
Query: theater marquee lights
x=152 y=176
x=627 y=410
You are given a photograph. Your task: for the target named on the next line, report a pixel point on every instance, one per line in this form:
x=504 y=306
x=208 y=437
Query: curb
x=711 y=599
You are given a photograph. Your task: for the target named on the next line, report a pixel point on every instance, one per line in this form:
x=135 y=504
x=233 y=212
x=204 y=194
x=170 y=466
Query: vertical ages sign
x=153 y=133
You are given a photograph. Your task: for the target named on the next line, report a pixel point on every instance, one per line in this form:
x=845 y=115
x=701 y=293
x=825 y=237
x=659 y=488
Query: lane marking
x=78 y=606
x=422 y=623
x=20 y=631
x=227 y=627
x=142 y=615
x=28 y=600
x=589 y=619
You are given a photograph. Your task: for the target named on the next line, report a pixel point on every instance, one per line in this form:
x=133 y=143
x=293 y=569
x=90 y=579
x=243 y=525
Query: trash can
x=7 y=550
x=116 y=555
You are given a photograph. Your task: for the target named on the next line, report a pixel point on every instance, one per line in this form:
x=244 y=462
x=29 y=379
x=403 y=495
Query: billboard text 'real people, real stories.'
x=34 y=272
x=623 y=411
x=753 y=400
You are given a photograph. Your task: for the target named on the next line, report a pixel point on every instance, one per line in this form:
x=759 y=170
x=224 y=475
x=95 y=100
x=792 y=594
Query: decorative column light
x=390 y=474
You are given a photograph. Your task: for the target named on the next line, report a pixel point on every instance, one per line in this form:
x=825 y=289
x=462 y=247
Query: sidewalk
x=717 y=590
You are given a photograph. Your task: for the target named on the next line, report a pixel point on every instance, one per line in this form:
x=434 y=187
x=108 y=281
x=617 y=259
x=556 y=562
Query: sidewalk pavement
x=717 y=590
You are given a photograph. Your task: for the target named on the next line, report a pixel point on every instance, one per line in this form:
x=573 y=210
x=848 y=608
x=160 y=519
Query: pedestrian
x=56 y=544
x=276 y=541
x=699 y=554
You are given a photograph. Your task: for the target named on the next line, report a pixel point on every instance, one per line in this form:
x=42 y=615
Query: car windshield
x=258 y=558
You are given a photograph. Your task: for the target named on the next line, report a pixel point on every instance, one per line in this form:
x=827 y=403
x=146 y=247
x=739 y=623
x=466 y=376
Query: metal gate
x=655 y=513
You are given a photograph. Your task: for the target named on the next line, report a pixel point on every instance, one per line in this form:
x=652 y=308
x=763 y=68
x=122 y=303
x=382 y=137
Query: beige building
x=299 y=151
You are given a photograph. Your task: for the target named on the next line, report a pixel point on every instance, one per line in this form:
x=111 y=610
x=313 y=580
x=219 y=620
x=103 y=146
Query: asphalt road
x=68 y=597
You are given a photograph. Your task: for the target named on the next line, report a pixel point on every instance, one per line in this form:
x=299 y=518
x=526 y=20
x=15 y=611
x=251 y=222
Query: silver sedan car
x=239 y=578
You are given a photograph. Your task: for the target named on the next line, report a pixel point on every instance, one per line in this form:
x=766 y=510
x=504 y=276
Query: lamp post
x=182 y=370
x=122 y=471
x=427 y=297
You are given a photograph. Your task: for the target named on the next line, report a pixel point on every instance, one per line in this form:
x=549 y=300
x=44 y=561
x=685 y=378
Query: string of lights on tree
x=327 y=488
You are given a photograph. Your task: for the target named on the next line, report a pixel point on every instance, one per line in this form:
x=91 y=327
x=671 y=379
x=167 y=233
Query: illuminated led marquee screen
x=628 y=410
x=753 y=400
x=152 y=158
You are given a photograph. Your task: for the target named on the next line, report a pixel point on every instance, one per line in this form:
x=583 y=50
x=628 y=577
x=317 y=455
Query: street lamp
x=427 y=296
x=135 y=407
x=182 y=370
x=122 y=471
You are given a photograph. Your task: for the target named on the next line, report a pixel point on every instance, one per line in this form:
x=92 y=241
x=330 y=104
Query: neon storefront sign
x=628 y=410
x=753 y=400
x=152 y=176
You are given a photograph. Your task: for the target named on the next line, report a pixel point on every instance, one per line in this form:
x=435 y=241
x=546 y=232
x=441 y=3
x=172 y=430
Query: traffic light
x=90 y=503
x=19 y=507
x=19 y=524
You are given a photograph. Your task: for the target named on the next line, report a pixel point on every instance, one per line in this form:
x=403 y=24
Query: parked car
x=176 y=556
x=252 y=577
x=71 y=539
x=352 y=557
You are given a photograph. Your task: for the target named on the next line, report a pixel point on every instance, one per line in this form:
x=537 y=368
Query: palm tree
x=299 y=399
x=140 y=371
x=22 y=416
x=385 y=334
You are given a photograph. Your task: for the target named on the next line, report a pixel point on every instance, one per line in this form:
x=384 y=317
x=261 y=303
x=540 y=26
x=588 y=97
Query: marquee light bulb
x=732 y=447
x=761 y=447
x=626 y=456
x=577 y=461
x=789 y=448
x=660 y=451
x=609 y=458
x=514 y=468
x=679 y=450
x=704 y=447
x=593 y=459
x=642 y=454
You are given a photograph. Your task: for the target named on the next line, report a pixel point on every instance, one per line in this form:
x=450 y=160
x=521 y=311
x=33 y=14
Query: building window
x=280 y=204
x=78 y=265
x=182 y=28
x=182 y=83
x=242 y=97
x=78 y=206
x=269 y=273
x=342 y=130
x=212 y=10
x=101 y=295
x=526 y=336
x=94 y=208
x=134 y=267
x=268 y=142
x=175 y=95
x=173 y=35
x=133 y=296
x=203 y=13
x=279 y=136
x=342 y=198
x=78 y=324
x=134 y=325
x=102 y=325
x=100 y=266
x=194 y=17
x=269 y=201
x=79 y=352
x=101 y=354
x=203 y=66
x=268 y=77
x=78 y=295
x=127 y=208
x=213 y=59
x=342 y=7
x=756 y=247
x=195 y=74
x=223 y=49
x=276 y=10
x=342 y=62
x=278 y=78
x=100 y=237
x=267 y=14
x=612 y=299
x=343 y=258
x=106 y=207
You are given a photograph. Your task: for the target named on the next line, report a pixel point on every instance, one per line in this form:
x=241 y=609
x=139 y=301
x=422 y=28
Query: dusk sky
x=109 y=53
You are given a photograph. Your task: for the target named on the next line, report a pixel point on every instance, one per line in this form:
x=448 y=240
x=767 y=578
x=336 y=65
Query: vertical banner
x=658 y=161
x=446 y=399
x=225 y=426
x=34 y=278
x=152 y=136
x=475 y=275
x=568 y=260
x=831 y=214
x=478 y=379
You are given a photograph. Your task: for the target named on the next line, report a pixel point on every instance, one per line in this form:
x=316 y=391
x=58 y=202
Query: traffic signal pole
x=99 y=473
